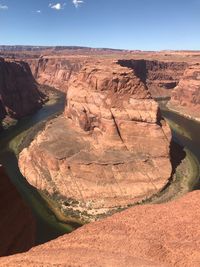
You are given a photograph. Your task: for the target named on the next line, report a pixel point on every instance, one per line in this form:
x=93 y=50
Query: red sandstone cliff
x=19 y=94
x=150 y=235
x=104 y=153
x=159 y=76
x=186 y=96
x=55 y=72
x=17 y=226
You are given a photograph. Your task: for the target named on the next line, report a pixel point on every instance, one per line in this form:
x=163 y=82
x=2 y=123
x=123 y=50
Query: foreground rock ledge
x=150 y=235
x=109 y=150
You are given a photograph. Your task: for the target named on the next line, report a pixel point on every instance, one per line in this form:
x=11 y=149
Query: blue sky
x=128 y=24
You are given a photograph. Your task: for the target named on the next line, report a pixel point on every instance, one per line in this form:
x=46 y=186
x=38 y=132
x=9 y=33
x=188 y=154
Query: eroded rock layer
x=19 y=94
x=186 y=96
x=160 y=77
x=111 y=148
x=17 y=226
x=55 y=72
x=150 y=235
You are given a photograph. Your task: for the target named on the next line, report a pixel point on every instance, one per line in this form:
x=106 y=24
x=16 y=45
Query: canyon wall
x=160 y=77
x=186 y=96
x=19 y=94
x=109 y=150
x=17 y=226
x=55 y=72
x=150 y=235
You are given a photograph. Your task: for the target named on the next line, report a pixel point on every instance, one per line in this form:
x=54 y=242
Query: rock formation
x=19 y=94
x=160 y=77
x=186 y=96
x=104 y=154
x=17 y=226
x=55 y=72
x=149 y=235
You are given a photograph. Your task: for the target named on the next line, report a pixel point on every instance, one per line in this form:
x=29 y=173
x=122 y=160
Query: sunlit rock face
x=109 y=149
x=55 y=72
x=19 y=94
x=186 y=96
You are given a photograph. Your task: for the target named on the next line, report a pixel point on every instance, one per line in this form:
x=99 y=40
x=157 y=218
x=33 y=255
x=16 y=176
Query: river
x=185 y=132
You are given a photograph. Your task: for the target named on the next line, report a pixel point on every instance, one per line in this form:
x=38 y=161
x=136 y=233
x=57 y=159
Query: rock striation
x=149 y=235
x=103 y=154
x=19 y=94
x=186 y=96
x=17 y=225
x=55 y=71
x=161 y=77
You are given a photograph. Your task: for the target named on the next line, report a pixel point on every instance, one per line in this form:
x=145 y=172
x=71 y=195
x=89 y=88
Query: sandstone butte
x=150 y=235
x=103 y=153
x=19 y=94
x=17 y=226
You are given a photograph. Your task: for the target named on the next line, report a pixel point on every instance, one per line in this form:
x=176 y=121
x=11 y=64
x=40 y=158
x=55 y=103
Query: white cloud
x=57 y=6
x=38 y=11
x=3 y=6
x=77 y=2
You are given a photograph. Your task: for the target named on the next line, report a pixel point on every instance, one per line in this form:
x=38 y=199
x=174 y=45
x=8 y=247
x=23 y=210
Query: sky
x=123 y=24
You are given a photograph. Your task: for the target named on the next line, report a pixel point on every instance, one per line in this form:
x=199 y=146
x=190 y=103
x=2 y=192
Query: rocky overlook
x=19 y=94
x=142 y=236
x=103 y=153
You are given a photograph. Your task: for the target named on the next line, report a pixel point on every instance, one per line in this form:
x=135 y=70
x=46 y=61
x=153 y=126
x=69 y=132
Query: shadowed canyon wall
x=17 y=226
x=160 y=77
x=19 y=94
